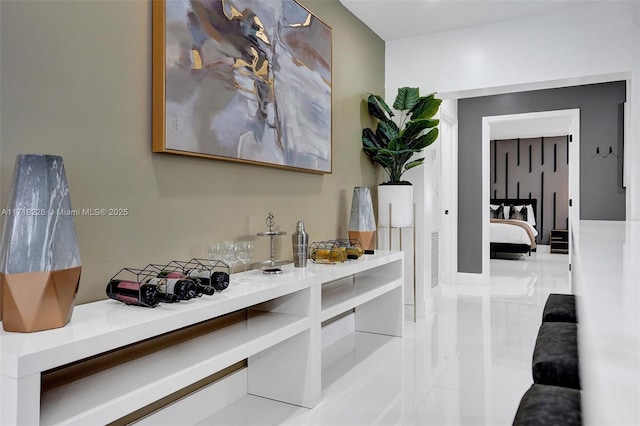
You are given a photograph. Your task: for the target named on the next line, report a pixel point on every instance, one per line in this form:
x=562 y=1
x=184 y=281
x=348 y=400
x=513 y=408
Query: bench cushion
x=560 y=308
x=544 y=405
x=555 y=357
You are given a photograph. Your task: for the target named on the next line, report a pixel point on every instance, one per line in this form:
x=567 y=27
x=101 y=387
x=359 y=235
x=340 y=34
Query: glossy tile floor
x=467 y=363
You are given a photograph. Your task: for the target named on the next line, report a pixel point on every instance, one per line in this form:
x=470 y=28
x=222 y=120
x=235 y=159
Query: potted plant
x=392 y=146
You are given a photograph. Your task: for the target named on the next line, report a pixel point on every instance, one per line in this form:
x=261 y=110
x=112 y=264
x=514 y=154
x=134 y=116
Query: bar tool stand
x=271 y=266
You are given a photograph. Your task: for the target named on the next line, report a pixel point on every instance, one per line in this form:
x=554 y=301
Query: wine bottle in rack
x=328 y=255
x=202 y=283
x=184 y=289
x=167 y=298
x=134 y=293
x=204 y=289
x=216 y=281
x=219 y=280
x=204 y=275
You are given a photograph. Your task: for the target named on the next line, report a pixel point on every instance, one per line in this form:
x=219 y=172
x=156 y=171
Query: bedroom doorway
x=529 y=125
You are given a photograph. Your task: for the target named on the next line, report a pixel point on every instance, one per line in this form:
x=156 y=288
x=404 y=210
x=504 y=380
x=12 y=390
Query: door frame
x=448 y=241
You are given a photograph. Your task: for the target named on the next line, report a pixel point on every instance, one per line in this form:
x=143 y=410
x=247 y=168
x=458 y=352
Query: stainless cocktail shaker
x=300 y=241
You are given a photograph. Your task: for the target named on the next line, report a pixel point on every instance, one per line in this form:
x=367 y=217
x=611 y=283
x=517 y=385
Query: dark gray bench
x=560 y=308
x=555 y=356
x=554 y=398
x=545 y=405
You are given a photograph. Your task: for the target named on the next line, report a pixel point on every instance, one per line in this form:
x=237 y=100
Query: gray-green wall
x=75 y=80
x=602 y=196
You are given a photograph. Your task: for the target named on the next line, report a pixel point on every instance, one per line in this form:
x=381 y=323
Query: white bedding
x=511 y=234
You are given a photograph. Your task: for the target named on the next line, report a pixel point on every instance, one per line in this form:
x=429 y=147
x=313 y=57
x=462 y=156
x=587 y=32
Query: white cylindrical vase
x=395 y=206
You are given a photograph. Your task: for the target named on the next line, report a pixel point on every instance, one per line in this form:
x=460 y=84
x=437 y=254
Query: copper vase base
x=365 y=237
x=35 y=301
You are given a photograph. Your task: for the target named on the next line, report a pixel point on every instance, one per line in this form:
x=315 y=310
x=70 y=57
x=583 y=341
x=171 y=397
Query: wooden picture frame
x=243 y=80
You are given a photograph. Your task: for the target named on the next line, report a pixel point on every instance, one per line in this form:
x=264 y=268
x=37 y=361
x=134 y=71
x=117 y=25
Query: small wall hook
x=597 y=153
x=610 y=152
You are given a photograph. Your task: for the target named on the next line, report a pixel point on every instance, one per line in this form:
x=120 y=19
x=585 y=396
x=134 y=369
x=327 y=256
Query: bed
x=512 y=227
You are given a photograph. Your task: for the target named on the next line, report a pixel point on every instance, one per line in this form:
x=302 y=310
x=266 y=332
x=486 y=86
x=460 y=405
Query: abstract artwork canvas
x=242 y=80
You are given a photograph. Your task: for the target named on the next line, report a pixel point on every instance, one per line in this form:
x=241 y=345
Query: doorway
x=547 y=123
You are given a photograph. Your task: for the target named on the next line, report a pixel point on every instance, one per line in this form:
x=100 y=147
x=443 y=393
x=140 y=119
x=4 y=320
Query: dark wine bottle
x=219 y=280
x=201 y=286
x=133 y=293
x=171 y=274
x=167 y=298
x=184 y=289
x=205 y=289
x=204 y=276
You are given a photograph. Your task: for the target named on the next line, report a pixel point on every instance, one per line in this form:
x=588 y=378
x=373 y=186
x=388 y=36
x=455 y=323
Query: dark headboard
x=518 y=202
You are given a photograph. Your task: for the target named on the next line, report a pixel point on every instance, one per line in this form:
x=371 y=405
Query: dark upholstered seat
x=560 y=308
x=544 y=405
x=555 y=357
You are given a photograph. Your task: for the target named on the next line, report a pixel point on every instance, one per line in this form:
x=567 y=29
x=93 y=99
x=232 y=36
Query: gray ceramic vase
x=39 y=256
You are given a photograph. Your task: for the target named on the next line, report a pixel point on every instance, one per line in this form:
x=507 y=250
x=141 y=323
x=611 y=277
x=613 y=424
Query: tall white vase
x=395 y=206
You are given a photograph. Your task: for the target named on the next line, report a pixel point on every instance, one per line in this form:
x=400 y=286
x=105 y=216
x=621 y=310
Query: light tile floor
x=467 y=363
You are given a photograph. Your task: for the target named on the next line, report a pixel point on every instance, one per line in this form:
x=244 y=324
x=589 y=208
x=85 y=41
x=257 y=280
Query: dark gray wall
x=535 y=168
x=602 y=196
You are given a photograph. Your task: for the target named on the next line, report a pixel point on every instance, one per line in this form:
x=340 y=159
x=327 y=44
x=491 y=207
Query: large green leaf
x=387 y=131
x=397 y=153
x=414 y=163
x=379 y=108
x=414 y=127
x=370 y=143
x=398 y=144
x=425 y=140
x=427 y=107
x=370 y=139
x=407 y=98
x=383 y=161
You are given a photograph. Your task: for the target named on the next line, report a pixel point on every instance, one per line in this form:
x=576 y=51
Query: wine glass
x=215 y=251
x=230 y=253
x=245 y=253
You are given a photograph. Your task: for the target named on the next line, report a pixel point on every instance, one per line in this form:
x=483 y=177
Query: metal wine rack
x=335 y=251
x=152 y=270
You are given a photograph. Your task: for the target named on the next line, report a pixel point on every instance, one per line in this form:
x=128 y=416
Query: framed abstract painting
x=242 y=80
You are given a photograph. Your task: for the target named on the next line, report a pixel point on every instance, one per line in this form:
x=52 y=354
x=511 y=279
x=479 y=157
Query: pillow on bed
x=496 y=211
x=518 y=212
x=531 y=217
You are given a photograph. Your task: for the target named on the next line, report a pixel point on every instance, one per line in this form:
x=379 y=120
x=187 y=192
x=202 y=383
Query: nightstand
x=559 y=241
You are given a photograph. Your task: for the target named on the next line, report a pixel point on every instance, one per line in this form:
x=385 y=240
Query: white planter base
x=395 y=206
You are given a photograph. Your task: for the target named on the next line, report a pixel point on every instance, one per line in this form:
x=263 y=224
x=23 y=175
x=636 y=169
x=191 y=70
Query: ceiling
x=396 y=19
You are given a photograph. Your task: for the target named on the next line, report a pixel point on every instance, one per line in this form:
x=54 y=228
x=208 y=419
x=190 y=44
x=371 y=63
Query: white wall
x=577 y=42
x=587 y=44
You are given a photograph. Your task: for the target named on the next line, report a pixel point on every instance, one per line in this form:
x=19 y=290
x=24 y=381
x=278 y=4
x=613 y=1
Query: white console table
x=279 y=336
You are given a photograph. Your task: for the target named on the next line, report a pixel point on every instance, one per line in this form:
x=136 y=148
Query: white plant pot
x=395 y=202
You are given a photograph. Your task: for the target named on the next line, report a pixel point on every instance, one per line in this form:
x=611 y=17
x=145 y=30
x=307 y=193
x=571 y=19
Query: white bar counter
x=606 y=280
